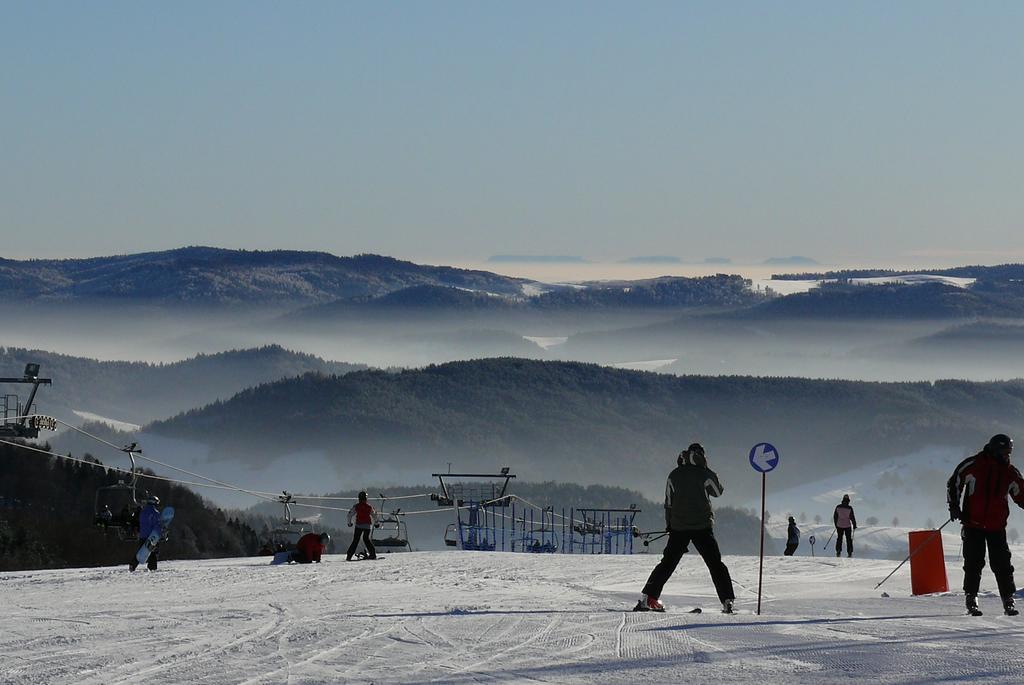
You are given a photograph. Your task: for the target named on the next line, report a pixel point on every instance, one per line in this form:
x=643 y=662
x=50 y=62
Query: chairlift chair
x=116 y=506
x=394 y=533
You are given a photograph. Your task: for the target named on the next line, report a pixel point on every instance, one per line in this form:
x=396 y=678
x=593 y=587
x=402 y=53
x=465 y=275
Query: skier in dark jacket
x=792 y=537
x=846 y=522
x=976 y=494
x=149 y=523
x=689 y=518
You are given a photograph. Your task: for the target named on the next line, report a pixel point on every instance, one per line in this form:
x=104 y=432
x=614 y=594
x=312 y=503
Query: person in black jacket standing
x=689 y=518
x=792 y=537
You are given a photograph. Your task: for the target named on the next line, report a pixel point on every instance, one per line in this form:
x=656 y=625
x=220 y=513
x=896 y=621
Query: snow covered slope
x=463 y=617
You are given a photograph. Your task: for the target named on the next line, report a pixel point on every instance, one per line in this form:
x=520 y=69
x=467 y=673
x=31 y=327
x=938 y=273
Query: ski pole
x=919 y=548
x=825 y=546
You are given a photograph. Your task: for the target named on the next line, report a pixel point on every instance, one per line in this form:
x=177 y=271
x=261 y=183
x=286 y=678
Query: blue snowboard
x=154 y=538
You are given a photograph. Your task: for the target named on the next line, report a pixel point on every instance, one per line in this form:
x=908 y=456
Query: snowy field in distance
x=467 y=617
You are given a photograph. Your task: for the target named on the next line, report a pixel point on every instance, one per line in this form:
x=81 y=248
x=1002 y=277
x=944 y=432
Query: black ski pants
x=365 y=534
x=840 y=532
x=790 y=548
x=975 y=540
x=707 y=546
x=151 y=562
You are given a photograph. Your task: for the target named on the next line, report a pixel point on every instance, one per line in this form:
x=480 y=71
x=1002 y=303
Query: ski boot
x=727 y=606
x=972 y=605
x=649 y=604
x=1008 y=607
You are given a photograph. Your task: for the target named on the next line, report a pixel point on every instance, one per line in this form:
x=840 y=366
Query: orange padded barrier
x=928 y=564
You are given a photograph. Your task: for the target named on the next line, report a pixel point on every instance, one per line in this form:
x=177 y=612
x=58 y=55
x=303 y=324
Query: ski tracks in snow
x=478 y=617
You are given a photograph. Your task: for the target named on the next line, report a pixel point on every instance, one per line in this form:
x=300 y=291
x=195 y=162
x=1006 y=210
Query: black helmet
x=362 y=495
x=693 y=456
x=1000 y=442
x=325 y=539
x=792 y=520
x=846 y=499
x=152 y=499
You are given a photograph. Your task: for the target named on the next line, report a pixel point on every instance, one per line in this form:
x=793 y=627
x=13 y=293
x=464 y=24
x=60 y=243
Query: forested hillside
x=139 y=391
x=213 y=276
x=47 y=513
x=887 y=301
x=592 y=424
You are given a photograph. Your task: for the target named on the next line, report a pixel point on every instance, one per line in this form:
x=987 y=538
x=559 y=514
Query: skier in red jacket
x=310 y=548
x=984 y=481
x=366 y=519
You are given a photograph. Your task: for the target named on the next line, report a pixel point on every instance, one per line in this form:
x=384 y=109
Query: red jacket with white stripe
x=984 y=481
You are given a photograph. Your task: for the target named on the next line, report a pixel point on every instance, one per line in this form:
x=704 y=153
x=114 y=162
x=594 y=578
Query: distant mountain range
x=933 y=300
x=536 y=259
x=212 y=276
x=137 y=392
x=593 y=424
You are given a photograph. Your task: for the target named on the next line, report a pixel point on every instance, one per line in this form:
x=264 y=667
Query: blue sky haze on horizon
x=870 y=132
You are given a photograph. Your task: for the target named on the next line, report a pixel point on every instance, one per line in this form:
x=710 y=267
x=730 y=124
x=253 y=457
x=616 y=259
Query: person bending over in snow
x=792 y=537
x=366 y=519
x=310 y=548
x=688 y=517
x=984 y=481
x=845 y=522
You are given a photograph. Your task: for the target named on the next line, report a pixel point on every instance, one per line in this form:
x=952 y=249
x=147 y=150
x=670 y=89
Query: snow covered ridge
x=467 y=617
x=912 y=279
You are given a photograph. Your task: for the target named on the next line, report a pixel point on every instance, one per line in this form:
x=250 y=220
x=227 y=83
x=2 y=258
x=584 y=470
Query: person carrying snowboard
x=976 y=494
x=366 y=519
x=689 y=518
x=149 y=522
x=792 y=537
x=845 y=522
x=310 y=548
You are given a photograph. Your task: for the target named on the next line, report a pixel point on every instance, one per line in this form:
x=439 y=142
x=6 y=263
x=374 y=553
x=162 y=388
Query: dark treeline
x=1001 y=272
x=47 y=517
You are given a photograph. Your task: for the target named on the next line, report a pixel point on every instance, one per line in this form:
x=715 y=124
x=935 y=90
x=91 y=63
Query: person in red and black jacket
x=366 y=519
x=984 y=481
x=310 y=548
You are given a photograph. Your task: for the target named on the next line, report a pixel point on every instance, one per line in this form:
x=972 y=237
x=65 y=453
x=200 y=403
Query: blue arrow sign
x=764 y=457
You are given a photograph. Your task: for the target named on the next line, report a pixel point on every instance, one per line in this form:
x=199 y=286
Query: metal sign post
x=812 y=541
x=763 y=458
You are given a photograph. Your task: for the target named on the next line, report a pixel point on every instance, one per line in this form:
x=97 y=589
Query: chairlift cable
x=112 y=468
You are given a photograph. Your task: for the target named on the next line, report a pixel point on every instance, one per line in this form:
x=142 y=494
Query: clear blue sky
x=442 y=130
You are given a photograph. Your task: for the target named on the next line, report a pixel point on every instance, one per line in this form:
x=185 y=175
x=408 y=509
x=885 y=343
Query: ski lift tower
x=479 y=500
x=285 y=535
x=20 y=420
x=604 y=531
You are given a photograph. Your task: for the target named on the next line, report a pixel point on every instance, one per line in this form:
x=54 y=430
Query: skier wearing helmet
x=310 y=548
x=976 y=494
x=149 y=522
x=366 y=519
x=689 y=518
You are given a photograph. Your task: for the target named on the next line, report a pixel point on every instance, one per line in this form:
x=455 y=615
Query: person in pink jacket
x=846 y=522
